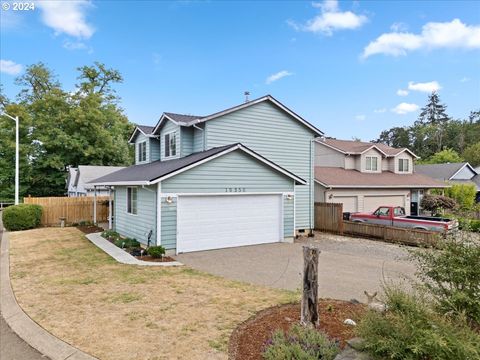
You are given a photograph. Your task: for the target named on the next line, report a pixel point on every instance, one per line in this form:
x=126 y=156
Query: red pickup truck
x=395 y=216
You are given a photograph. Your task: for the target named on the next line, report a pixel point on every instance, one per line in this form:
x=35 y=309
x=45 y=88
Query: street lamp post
x=17 y=157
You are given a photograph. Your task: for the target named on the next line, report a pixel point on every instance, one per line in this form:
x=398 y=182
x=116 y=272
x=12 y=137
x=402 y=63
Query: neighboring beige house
x=363 y=176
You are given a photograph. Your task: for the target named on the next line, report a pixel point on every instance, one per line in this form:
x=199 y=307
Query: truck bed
x=427 y=218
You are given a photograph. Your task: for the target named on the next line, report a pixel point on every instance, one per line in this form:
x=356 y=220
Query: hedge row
x=22 y=217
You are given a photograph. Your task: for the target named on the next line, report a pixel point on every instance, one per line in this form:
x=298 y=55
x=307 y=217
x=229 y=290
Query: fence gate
x=329 y=217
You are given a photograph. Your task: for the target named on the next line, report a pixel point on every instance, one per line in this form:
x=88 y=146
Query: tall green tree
x=472 y=154
x=61 y=129
x=444 y=156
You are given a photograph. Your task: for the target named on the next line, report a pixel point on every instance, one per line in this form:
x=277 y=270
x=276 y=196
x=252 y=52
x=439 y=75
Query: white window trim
x=174 y=132
x=126 y=202
x=371 y=163
x=408 y=165
x=139 y=149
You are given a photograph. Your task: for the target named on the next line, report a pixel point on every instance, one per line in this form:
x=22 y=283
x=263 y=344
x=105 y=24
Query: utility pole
x=17 y=155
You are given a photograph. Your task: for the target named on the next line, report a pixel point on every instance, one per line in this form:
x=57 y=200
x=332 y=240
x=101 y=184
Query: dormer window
x=170 y=143
x=403 y=165
x=142 y=151
x=372 y=163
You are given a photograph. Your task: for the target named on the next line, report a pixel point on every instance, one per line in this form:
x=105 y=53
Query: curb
x=122 y=256
x=28 y=330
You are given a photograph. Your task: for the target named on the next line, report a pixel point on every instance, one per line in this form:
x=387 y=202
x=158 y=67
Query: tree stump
x=309 y=311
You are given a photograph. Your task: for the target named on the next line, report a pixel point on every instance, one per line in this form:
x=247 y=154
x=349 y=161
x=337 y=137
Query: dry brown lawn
x=115 y=311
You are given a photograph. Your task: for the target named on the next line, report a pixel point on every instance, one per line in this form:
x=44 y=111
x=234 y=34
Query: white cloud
x=380 y=110
x=399 y=26
x=67 y=17
x=278 y=76
x=427 y=87
x=360 y=117
x=330 y=19
x=9 y=67
x=405 y=108
x=464 y=79
x=401 y=92
x=454 y=34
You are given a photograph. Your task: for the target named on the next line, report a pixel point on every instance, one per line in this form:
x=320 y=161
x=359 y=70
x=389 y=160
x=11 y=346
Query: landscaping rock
x=352 y=354
x=355 y=343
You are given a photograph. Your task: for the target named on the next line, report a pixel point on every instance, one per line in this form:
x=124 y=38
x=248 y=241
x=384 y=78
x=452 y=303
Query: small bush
x=22 y=217
x=410 y=329
x=126 y=243
x=475 y=225
x=301 y=343
x=156 y=252
x=452 y=276
x=111 y=235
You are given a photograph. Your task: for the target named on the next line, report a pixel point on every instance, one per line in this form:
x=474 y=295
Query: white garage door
x=213 y=222
x=371 y=203
x=349 y=203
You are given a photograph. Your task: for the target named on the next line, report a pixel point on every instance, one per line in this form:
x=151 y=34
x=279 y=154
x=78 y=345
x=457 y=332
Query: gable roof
x=87 y=173
x=152 y=173
x=144 y=129
x=442 y=171
x=190 y=120
x=334 y=177
x=352 y=147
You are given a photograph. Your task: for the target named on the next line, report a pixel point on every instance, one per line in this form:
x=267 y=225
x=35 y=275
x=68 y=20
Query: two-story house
x=363 y=176
x=240 y=176
x=77 y=182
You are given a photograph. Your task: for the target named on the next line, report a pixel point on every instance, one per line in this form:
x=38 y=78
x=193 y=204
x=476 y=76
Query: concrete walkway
x=19 y=322
x=347 y=266
x=122 y=256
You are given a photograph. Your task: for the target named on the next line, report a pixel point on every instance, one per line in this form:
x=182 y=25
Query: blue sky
x=350 y=68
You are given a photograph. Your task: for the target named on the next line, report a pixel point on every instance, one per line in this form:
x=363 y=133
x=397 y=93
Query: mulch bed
x=152 y=259
x=249 y=338
x=89 y=229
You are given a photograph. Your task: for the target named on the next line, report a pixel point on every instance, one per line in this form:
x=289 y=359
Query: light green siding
x=198 y=136
x=288 y=213
x=154 y=145
x=186 y=141
x=275 y=135
x=136 y=226
x=169 y=127
x=169 y=224
x=233 y=170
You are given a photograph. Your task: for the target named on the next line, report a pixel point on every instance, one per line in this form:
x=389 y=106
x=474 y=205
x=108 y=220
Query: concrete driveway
x=347 y=266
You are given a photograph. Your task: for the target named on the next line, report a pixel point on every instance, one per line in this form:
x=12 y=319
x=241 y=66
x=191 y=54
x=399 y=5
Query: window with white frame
x=372 y=163
x=403 y=165
x=170 y=144
x=132 y=200
x=142 y=151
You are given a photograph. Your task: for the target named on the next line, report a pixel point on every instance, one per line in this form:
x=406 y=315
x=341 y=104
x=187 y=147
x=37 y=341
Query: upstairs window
x=132 y=200
x=372 y=163
x=170 y=143
x=142 y=151
x=403 y=165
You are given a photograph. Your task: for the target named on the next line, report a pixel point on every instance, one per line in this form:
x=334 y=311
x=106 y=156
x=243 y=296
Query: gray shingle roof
x=87 y=173
x=157 y=169
x=439 y=171
x=146 y=129
x=182 y=118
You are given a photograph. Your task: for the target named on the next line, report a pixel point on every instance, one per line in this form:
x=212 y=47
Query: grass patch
x=84 y=297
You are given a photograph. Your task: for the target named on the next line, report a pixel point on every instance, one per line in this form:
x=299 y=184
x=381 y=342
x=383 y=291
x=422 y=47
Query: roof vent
x=247 y=94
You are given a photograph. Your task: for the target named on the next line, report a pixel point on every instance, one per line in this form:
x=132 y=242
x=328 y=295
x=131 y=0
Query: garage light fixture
x=330 y=196
x=289 y=197
x=169 y=199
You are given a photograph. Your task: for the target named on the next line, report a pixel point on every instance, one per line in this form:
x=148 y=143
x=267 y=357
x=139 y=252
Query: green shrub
x=126 y=243
x=475 y=225
x=302 y=343
x=463 y=194
x=452 y=276
x=156 y=251
x=22 y=217
x=410 y=329
x=111 y=235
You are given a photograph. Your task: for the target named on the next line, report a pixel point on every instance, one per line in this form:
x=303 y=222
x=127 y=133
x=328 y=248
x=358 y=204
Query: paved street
x=11 y=346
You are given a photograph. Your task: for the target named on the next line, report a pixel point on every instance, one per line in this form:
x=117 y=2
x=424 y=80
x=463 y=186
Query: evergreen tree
x=434 y=113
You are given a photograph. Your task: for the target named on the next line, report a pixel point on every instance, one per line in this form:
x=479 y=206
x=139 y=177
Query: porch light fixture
x=330 y=196
x=169 y=199
x=289 y=197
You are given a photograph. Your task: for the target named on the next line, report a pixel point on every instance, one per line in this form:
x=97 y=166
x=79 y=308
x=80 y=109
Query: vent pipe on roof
x=246 y=93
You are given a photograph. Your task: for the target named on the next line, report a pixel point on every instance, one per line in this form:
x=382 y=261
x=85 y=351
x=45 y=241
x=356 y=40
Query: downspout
x=203 y=134
x=311 y=185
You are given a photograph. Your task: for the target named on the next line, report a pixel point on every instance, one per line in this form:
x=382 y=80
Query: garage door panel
x=349 y=203
x=212 y=222
x=371 y=203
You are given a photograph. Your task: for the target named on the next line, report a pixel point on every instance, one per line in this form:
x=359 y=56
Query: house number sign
x=235 y=189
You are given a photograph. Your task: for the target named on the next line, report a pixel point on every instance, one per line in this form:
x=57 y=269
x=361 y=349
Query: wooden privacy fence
x=329 y=218
x=391 y=234
x=73 y=209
